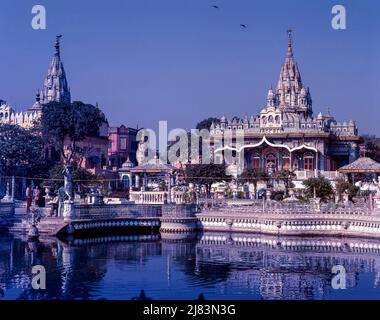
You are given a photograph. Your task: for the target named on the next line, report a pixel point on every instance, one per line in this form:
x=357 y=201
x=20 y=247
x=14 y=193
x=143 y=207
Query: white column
x=316 y=165
x=137 y=181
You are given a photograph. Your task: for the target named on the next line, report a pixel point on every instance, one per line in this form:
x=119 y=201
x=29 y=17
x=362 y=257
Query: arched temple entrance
x=271 y=157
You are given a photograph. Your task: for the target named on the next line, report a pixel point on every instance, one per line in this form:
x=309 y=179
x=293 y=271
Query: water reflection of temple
x=233 y=265
x=287 y=268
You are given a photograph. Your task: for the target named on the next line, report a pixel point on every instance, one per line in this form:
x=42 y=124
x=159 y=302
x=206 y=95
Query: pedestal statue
x=68 y=205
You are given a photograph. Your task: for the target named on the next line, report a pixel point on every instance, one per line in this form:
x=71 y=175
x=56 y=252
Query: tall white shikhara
x=55 y=88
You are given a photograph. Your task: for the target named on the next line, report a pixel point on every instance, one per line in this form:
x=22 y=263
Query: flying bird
x=216 y=7
x=243 y=26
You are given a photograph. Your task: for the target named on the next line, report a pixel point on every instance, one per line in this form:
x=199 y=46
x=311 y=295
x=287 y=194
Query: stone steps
x=46 y=226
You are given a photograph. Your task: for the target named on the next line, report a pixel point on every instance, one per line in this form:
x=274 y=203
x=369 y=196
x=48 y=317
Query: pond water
x=220 y=266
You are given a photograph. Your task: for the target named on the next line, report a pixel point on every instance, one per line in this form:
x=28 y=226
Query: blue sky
x=182 y=60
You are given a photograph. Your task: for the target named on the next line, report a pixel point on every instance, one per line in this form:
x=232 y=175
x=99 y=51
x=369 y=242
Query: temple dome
x=128 y=164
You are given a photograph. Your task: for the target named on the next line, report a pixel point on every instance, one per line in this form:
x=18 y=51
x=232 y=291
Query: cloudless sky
x=182 y=60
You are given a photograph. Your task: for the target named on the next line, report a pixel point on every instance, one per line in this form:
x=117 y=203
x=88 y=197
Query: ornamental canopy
x=362 y=165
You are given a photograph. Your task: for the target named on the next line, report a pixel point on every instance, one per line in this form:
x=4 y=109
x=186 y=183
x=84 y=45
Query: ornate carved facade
x=285 y=134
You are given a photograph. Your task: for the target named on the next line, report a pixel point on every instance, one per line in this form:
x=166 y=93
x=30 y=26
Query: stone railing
x=295 y=218
x=274 y=208
x=107 y=211
x=331 y=175
x=178 y=210
x=306 y=174
x=178 y=197
x=156 y=197
x=338 y=224
x=148 y=197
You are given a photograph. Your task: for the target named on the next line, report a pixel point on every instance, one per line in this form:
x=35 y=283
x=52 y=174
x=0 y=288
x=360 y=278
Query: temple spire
x=55 y=85
x=58 y=45
x=291 y=95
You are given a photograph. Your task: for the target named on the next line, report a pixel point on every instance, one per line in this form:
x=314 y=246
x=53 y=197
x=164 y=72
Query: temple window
x=308 y=161
x=256 y=161
x=285 y=161
x=123 y=143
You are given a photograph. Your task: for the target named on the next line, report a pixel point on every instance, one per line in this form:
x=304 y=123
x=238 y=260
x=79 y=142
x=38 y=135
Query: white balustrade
x=306 y=174
x=156 y=197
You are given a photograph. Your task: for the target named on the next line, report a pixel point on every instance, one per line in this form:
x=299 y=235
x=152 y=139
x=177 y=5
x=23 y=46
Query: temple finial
x=290 y=45
x=38 y=95
x=57 y=44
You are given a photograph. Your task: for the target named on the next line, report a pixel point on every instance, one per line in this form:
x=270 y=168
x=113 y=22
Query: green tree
x=372 y=147
x=81 y=178
x=75 y=121
x=206 y=175
x=287 y=177
x=20 y=149
x=343 y=186
x=253 y=175
x=206 y=123
x=320 y=186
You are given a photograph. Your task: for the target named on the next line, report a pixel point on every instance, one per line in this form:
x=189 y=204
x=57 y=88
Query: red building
x=122 y=145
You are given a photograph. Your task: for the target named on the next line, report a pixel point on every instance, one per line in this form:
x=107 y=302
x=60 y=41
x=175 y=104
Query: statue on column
x=68 y=205
x=68 y=182
x=61 y=199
